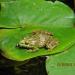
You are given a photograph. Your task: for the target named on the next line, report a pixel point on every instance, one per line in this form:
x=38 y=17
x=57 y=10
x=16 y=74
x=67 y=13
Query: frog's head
x=26 y=43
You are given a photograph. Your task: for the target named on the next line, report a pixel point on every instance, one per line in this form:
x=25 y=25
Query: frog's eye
x=33 y=33
x=51 y=34
x=26 y=43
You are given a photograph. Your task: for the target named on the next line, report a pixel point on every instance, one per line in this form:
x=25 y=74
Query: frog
x=38 y=39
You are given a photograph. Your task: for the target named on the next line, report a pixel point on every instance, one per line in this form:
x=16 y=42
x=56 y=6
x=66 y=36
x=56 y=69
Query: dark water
x=70 y=3
x=35 y=66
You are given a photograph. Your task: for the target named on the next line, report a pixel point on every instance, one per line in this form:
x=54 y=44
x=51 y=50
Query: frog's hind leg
x=52 y=44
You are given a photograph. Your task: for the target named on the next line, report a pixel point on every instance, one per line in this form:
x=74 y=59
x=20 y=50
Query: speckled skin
x=38 y=39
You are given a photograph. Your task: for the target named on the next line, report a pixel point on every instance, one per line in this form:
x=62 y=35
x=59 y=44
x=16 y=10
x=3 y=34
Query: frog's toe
x=29 y=50
x=32 y=50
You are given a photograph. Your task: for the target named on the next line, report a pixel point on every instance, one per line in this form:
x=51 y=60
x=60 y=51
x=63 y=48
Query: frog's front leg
x=33 y=49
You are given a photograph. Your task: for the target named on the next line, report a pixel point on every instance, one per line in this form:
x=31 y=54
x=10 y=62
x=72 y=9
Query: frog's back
x=42 y=32
x=41 y=37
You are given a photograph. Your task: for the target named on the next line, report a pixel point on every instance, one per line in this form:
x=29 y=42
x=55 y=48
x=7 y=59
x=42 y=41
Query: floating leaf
x=63 y=63
x=10 y=37
x=34 y=15
x=22 y=12
x=7 y=0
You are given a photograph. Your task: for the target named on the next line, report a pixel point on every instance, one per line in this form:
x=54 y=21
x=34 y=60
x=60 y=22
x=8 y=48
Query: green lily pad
x=19 y=13
x=11 y=37
x=7 y=0
x=62 y=64
x=26 y=16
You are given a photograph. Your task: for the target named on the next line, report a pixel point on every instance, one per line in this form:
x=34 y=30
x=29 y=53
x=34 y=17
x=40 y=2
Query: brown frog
x=38 y=39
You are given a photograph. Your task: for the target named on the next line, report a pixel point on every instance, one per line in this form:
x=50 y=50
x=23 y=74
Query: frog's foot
x=32 y=50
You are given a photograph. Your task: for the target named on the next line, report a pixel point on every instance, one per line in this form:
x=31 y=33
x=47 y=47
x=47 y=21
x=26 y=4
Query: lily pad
x=26 y=16
x=7 y=0
x=62 y=63
x=11 y=37
x=19 y=13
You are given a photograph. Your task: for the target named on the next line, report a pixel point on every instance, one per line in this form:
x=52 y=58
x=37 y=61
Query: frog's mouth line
x=30 y=47
x=26 y=47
